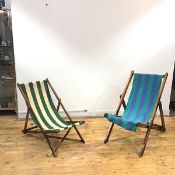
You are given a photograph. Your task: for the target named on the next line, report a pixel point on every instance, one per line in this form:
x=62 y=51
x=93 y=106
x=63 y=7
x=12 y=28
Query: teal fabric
x=141 y=102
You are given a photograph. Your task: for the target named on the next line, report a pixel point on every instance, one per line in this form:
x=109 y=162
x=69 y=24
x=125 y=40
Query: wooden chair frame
x=150 y=125
x=44 y=132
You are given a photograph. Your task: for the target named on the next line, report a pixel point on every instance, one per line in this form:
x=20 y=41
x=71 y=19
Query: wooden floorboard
x=27 y=154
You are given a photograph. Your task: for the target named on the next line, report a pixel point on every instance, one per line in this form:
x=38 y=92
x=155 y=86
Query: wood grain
x=27 y=154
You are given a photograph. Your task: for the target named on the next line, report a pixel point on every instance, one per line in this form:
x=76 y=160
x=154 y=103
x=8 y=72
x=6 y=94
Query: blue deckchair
x=144 y=99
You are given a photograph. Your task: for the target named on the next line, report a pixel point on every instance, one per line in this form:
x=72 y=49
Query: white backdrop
x=87 y=48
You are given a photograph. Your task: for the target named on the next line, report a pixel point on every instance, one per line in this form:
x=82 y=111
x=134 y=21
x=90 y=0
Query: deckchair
x=142 y=105
x=44 y=114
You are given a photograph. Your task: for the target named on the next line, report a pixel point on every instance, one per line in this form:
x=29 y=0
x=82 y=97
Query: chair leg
x=54 y=151
x=109 y=133
x=26 y=122
x=65 y=138
x=162 y=117
x=145 y=142
x=50 y=146
x=81 y=138
x=62 y=139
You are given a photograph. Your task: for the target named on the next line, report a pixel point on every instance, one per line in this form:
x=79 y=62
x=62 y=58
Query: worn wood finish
x=29 y=108
x=151 y=122
x=149 y=126
x=124 y=92
x=121 y=102
x=27 y=154
x=64 y=109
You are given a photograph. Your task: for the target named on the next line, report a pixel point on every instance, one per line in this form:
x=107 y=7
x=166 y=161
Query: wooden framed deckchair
x=142 y=105
x=44 y=114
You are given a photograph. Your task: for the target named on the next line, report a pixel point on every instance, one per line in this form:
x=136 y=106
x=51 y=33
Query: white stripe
x=42 y=108
x=34 y=107
x=35 y=110
x=50 y=108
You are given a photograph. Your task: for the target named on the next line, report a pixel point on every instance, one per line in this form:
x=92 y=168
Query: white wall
x=88 y=48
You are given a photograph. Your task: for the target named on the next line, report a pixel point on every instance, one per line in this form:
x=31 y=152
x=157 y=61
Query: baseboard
x=85 y=113
x=76 y=113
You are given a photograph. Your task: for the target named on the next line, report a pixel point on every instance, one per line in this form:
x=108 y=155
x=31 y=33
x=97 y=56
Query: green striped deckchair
x=143 y=102
x=44 y=114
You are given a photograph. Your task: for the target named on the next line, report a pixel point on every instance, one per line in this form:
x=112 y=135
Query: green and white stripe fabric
x=40 y=100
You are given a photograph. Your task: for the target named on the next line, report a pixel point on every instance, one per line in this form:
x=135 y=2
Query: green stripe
x=31 y=114
x=45 y=106
x=52 y=104
x=37 y=107
x=24 y=89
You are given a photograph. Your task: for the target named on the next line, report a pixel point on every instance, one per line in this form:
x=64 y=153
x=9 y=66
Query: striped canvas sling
x=141 y=102
x=46 y=114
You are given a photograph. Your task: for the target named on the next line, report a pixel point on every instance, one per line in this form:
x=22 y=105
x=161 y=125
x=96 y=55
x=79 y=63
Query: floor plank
x=27 y=154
